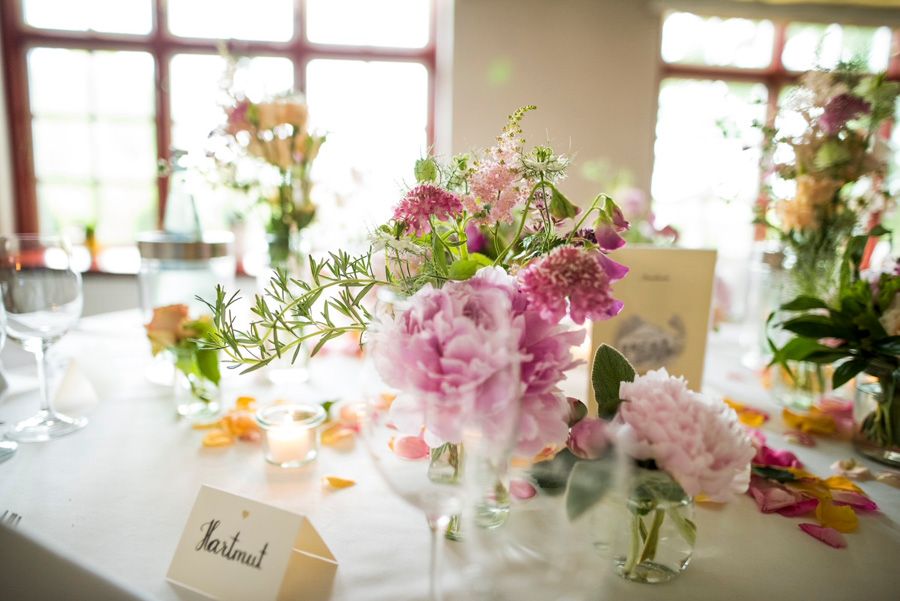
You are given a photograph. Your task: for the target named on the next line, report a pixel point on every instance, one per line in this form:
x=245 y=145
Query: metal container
x=175 y=269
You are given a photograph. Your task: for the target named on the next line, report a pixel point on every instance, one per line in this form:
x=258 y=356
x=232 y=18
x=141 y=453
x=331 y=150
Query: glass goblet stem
x=437 y=526
x=39 y=350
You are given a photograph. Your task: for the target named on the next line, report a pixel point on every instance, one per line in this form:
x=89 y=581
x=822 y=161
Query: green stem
x=520 y=228
x=649 y=551
x=595 y=206
x=632 y=560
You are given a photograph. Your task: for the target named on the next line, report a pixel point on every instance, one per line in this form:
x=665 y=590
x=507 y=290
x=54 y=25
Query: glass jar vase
x=196 y=398
x=877 y=420
x=656 y=527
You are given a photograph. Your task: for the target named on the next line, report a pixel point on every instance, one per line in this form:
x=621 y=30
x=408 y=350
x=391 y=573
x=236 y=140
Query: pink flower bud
x=588 y=438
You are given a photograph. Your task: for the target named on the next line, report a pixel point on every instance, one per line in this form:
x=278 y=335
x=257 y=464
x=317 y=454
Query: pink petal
x=854 y=500
x=771 y=497
x=800 y=438
x=522 y=489
x=411 y=447
x=829 y=536
x=768 y=456
x=800 y=508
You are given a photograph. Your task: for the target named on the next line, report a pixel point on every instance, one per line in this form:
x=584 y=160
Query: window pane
x=812 y=45
x=398 y=23
x=197 y=94
x=375 y=115
x=269 y=20
x=705 y=179
x=690 y=39
x=93 y=127
x=111 y=16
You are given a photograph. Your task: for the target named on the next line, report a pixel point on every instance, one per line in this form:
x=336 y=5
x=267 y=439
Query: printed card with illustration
x=236 y=548
x=665 y=322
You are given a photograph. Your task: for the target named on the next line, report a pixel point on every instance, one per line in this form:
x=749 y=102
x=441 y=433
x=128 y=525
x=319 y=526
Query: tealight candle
x=291 y=437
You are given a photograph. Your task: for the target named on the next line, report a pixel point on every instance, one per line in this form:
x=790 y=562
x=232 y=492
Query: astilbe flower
x=455 y=349
x=840 y=110
x=580 y=276
x=423 y=202
x=699 y=442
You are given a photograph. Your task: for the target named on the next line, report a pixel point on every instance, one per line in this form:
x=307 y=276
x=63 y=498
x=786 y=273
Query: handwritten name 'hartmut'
x=228 y=550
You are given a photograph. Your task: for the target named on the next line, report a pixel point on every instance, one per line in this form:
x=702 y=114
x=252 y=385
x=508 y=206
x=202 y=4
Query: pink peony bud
x=588 y=438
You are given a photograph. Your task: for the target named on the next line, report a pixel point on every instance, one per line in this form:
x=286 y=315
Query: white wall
x=591 y=67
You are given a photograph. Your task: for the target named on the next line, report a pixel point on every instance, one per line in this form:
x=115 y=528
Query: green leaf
x=773 y=473
x=426 y=170
x=481 y=259
x=804 y=303
x=798 y=349
x=588 y=484
x=610 y=369
x=208 y=364
x=462 y=269
x=889 y=345
x=438 y=254
x=686 y=527
x=578 y=413
x=816 y=326
x=551 y=476
x=847 y=370
x=560 y=206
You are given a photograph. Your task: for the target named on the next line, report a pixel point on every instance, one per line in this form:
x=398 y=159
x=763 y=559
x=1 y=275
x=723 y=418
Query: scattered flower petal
x=217 y=438
x=411 y=447
x=800 y=438
x=802 y=507
x=522 y=489
x=336 y=434
x=245 y=403
x=842 y=483
x=768 y=456
x=771 y=496
x=839 y=517
x=337 y=483
x=850 y=468
x=750 y=417
x=814 y=422
x=829 y=536
x=857 y=501
x=889 y=478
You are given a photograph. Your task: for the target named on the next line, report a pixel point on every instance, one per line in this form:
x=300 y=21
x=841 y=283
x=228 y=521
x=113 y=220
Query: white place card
x=236 y=548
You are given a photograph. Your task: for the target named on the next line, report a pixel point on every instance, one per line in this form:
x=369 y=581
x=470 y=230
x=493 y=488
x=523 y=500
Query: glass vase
x=803 y=386
x=196 y=398
x=878 y=423
x=656 y=527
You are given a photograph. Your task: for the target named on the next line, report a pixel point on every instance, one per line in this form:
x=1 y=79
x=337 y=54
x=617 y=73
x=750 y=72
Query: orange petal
x=337 y=483
x=336 y=434
x=815 y=422
x=245 y=403
x=217 y=438
x=207 y=425
x=840 y=517
x=352 y=414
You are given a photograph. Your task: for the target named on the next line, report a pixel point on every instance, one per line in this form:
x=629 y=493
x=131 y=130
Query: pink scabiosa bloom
x=697 y=441
x=426 y=201
x=840 y=110
x=580 y=276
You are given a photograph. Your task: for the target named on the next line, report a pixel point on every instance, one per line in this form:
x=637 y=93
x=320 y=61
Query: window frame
x=775 y=77
x=18 y=38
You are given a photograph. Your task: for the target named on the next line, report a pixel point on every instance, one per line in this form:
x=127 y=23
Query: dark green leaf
x=773 y=473
x=889 y=345
x=588 y=484
x=816 y=326
x=551 y=476
x=804 y=303
x=848 y=370
x=610 y=369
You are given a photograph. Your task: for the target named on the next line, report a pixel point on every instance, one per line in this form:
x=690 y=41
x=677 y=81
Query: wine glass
x=7 y=448
x=443 y=455
x=42 y=297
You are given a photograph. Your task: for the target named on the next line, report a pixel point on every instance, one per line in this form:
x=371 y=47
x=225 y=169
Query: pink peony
x=589 y=438
x=699 y=442
x=423 y=202
x=454 y=350
x=581 y=276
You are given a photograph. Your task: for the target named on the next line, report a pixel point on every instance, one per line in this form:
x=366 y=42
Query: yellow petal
x=842 y=483
x=814 y=488
x=336 y=434
x=337 y=483
x=217 y=438
x=207 y=425
x=840 y=517
x=814 y=422
x=753 y=418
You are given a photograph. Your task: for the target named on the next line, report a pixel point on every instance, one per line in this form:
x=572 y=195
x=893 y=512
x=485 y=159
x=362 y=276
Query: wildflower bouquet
x=542 y=259
x=273 y=134
x=839 y=146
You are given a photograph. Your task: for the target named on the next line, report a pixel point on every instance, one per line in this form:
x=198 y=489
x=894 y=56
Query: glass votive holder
x=291 y=433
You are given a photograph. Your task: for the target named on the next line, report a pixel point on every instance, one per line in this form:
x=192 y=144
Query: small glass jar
x=291 y=437
x=876 y=436
x=176 y=269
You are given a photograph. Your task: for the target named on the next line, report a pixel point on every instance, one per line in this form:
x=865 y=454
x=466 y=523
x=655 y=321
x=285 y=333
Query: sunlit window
x=110 y=92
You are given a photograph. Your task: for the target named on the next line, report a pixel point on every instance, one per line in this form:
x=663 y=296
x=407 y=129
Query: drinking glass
x=444 y=454
x=7 y=448
x=42 y=297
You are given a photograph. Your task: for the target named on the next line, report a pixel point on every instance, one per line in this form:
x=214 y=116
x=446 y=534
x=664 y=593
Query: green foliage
x=609 y=370
x=589 y=481
x=426 y=170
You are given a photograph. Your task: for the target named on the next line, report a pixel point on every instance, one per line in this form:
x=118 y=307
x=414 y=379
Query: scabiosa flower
x=423 y=202
x=699 y=442
x=840 y=110
x=580 y=276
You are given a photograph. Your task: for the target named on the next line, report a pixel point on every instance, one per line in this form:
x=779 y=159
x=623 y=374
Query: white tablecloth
x=117 y=494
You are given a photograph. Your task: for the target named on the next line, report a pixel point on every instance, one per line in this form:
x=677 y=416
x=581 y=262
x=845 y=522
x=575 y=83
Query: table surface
x=117 y=494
